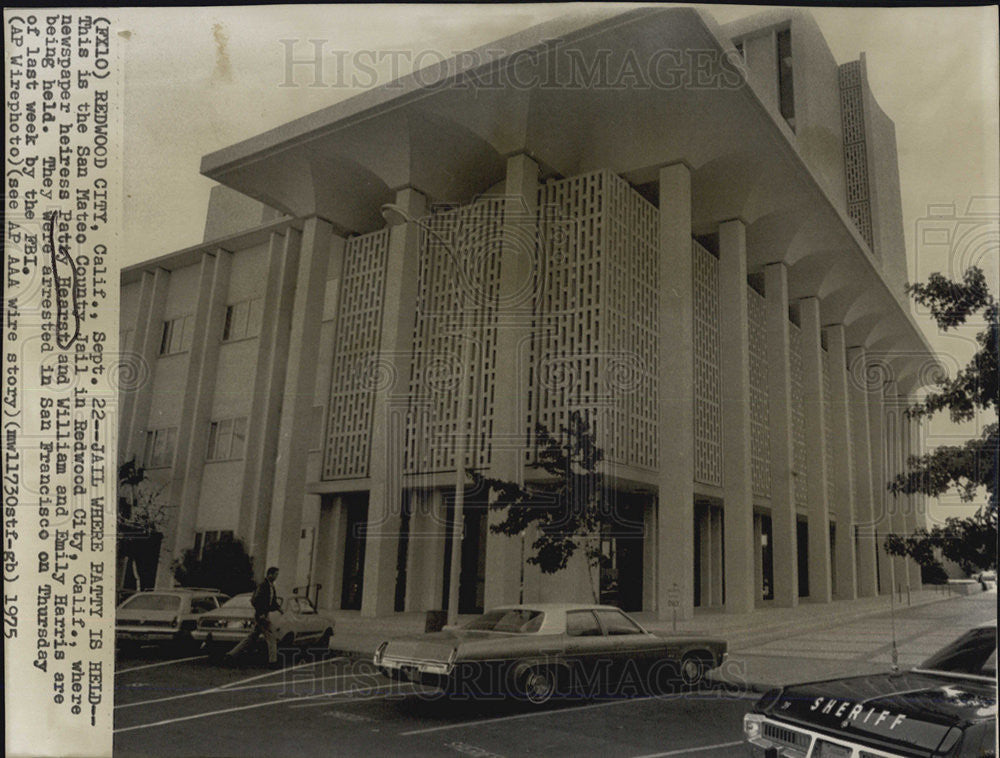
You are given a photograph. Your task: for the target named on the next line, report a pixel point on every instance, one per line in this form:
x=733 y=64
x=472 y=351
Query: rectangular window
x=227 y=439
x=786 y=91
x=177 y=334
x=160 y=445
x=243 y=319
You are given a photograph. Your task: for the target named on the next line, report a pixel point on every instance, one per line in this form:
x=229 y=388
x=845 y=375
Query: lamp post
x=394 y=214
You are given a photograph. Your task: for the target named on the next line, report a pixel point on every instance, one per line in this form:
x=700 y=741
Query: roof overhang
x=447 y=131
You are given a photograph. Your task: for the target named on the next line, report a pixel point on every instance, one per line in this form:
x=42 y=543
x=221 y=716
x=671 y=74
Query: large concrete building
x=690 y=234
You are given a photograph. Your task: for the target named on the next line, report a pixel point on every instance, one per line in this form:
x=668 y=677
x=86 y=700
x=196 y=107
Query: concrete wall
x=230 y=212
x=817 y=133
x=818 y=129
x=883 y=188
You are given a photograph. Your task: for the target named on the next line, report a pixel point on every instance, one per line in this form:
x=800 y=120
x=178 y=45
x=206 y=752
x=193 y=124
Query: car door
x=587 y=652
x=630 y=650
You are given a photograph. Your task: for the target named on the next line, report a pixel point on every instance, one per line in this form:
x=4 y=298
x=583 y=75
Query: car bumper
x=767 y=738
x=146 y=634
x=220 y=635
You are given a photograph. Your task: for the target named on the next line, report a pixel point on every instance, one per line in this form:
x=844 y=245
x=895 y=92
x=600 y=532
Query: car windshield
x=152 y=602
x=240 y=601
x=974 y=653
x=517 y=620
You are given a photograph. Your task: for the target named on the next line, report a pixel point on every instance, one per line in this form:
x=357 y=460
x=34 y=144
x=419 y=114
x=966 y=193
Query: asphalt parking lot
x=323 y=704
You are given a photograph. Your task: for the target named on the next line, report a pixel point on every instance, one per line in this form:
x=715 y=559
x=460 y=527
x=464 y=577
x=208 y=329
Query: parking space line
x=161 y=663
x=524 y=716
x=266 y=674
x=230 y=688
x=685 y=751
x=363 y=689
x=193 y=716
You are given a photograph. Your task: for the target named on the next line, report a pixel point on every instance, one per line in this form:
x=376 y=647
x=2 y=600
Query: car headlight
x=752 y=725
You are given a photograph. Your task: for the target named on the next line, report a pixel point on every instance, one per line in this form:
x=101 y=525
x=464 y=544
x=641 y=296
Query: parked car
x=542 y=650
x=947 y=706
x=300 y=623
x=167 y=615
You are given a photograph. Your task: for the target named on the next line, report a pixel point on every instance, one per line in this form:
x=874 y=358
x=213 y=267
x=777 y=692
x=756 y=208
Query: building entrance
x=621 y=556
x=472 y=573
x=354 y=551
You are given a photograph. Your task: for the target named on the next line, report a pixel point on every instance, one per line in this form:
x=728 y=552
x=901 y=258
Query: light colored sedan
x=166 y=615
x=545 y=650
x=300 y=623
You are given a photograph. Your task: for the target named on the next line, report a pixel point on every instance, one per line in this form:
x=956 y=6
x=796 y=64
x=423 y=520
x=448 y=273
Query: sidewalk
x=751 y=663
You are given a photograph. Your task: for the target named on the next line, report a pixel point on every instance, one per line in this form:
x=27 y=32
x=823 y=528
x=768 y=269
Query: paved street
x=337 y=705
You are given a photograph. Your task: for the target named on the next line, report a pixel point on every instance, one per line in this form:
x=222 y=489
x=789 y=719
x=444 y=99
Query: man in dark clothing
x=265 y=600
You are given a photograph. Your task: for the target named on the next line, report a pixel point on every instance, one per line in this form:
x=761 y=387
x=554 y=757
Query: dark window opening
x=802 y=540
x=786 y=91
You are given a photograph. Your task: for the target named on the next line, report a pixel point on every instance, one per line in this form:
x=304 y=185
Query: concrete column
x=148 y=336
x=330 y=537
x=897 y=504
x=839 y=423
x=425 y=558
x=880 y=496
x=820 y=582
x=199 y=392
x=389 y=409
x=268 y=389
x=298 y=398
x=519 y=276
x=737 y=471
x=912 y=523
x=649 y=555
x=779 y=382
x=675 y=503
x=861 y=450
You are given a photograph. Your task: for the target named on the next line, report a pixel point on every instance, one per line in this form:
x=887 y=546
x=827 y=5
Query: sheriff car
x=947 y=706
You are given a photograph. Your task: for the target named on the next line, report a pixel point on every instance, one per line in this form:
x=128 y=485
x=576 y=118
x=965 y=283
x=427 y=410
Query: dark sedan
x=945 y=707
x=543 y=650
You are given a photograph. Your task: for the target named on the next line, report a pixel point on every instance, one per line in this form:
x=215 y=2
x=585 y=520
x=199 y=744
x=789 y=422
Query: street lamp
x=394 y=214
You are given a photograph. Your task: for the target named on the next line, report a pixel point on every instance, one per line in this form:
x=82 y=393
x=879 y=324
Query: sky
x=200 y=79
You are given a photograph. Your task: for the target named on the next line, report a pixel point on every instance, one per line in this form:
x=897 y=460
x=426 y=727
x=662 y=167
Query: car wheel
x=287 y=641
x=324 y=640
x=693 y=670
x=538 y=686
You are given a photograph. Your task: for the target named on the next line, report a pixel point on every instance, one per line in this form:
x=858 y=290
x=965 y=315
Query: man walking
x=265 y=600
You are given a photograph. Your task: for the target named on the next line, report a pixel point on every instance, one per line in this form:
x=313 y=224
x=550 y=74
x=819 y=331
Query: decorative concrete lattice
x=458 y=286
x=852 y=116
x=760 y=433
x=799 y=464
x=707 y=369
x=828 y=429
x=356 y=346
x=595 y=346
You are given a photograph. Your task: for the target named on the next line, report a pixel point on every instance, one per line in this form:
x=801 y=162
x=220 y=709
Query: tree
x=567 y=509
x=970 y=542
x=141 y=515
x=223 y=565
